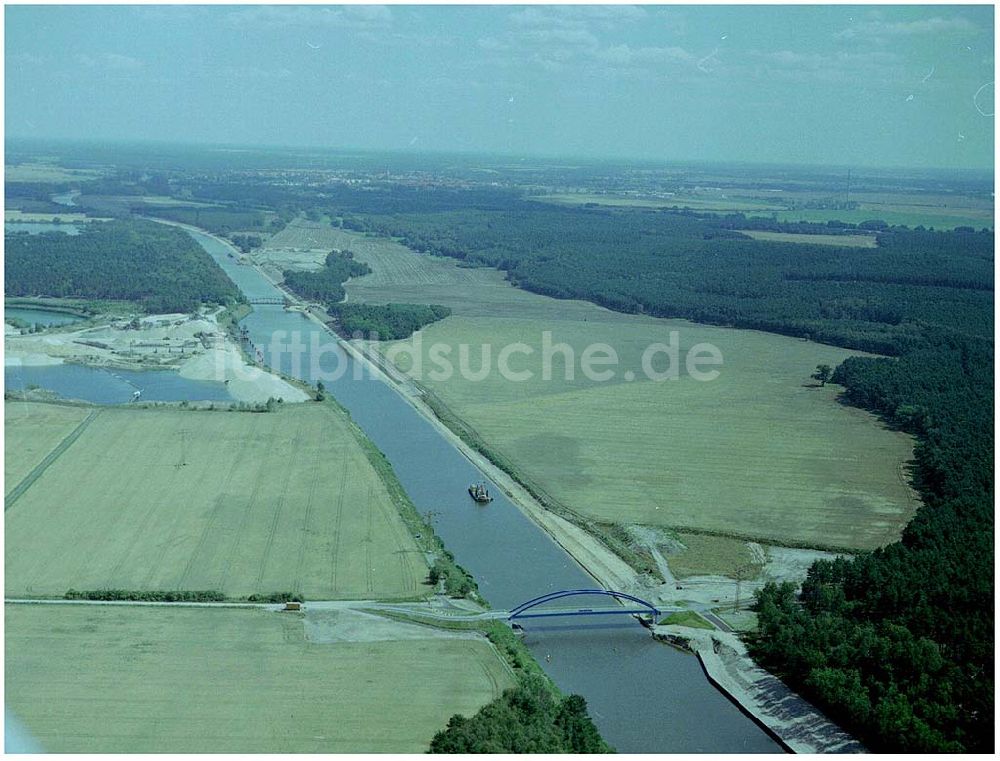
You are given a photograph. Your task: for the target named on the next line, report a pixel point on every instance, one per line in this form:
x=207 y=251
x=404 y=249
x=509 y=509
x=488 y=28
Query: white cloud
x=355 y=17
x=253 y=73
x=111 y=61
x=623 y=55
x=935 y=25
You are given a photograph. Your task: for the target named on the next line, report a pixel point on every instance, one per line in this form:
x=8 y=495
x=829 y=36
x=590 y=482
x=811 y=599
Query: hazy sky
x=835 y=84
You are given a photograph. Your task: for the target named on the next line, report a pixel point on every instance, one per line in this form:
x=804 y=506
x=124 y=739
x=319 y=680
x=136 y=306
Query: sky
x=908 y=86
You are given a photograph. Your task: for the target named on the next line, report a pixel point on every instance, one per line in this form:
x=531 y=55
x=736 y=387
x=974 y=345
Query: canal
x=645 y=697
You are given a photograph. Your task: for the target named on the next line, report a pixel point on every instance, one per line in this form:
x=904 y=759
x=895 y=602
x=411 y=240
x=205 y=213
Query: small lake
x=37 y=228
x=45 y=317
x=100 y=385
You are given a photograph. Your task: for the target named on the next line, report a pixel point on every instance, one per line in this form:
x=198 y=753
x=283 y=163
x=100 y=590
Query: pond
x=33 y=316
x=100 y=385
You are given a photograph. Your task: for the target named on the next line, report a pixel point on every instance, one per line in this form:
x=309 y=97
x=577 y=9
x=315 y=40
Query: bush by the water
x=527 y=718
x=457 y=581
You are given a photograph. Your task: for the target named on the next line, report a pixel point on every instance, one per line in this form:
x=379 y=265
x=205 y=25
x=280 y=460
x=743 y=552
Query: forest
x=216 y=219
x=388 y=322
x=327 y=284
x=161 y=267
x=896 y=644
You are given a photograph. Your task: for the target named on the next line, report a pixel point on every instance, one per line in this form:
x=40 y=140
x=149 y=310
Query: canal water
x=645 y=697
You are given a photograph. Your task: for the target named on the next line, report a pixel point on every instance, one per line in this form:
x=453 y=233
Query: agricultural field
x=13 y=215
x=101 y=679
x=31 y=432
x=851 y=241
x=761 y=452
x=708 y=458
x=942 y=212
x=912 y=216
x=301 y=245
x=243 y=503
x=400 y=275
x=41 y=172
x=717 y=203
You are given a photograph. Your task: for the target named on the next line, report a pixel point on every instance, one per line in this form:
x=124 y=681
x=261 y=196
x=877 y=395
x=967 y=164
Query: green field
x=930 y=210
x=42 y=172
x=31 y=431
x=713 y=555
x=758 y=453
x=911 y=216
x=681 y=454
x=304 y=234
x=243 y=503
x=400 y=275
x=99 y=679
x=699 y=203
x=854 y=241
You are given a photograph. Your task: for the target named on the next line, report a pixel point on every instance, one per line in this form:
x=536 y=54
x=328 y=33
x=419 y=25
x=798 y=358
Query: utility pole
x=183 y=434
x=741 y=573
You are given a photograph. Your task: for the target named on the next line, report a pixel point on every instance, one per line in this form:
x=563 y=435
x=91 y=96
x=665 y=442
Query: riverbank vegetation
x=160 y=267
x=526 y=719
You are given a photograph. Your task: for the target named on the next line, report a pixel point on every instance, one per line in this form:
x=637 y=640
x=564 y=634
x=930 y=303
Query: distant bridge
x=522 y=610
x=268 y=300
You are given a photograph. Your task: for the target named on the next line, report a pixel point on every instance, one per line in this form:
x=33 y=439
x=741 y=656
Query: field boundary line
x=51 y=457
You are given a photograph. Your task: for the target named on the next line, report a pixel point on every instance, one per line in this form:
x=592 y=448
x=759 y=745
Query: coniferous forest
x=161 y=267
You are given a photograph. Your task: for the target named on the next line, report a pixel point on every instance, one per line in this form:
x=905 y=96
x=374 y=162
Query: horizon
x=901 y=87
x=563 y=159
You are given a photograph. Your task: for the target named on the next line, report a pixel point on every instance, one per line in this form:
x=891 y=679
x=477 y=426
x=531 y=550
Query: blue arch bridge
x=534 y=608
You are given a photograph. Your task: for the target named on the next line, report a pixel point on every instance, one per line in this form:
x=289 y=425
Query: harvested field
x=684 y=454
x=680 y=454
x=99 y=679
x=244 y=503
